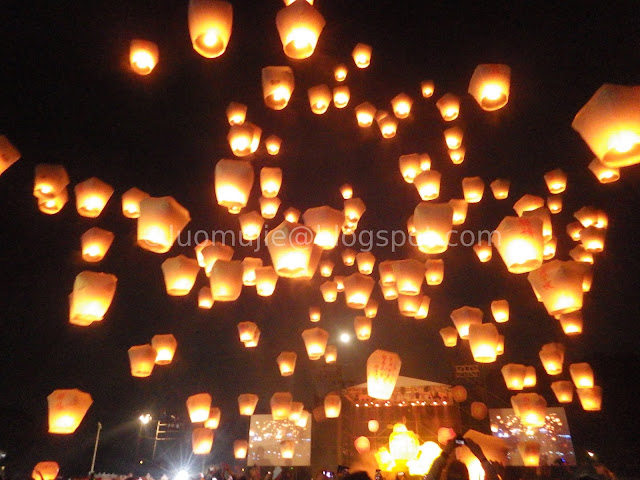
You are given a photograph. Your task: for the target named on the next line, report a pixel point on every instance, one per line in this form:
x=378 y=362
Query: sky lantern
x=365 y=261
x=460 y=208
x=95 y=243
x=579 y=254
x=214 y=252
x=91 y=297
x=251 y=224
x=387 y=275
x=312 y=266
x=590 y=398
x=213 y=422
x=449 y=106
x=180 y=274
x=427 y=88
x=165 y=347
x=435 y=271
x=341 y=96
x=383 y=369
x=459 y=394
x=582 y=375
x=530 y=453
x=365 y=113
x=131 y=202
x=292 y=215
x=266 y=279
x=373 y=426
x=205 y=299
x=240 y=449
x=445 y=434
x=409 y=166
x=326 y=268
x=362 y=327
x=530 y=408
x=489 y=85
x=296 y=411
x=388 y=125
x=552 y=358
x=362 y=55
x=210 y=23
x=315 y=341
x=587 y=280
x=409 y=305
x=389 y=292
x=326 y=223
x=290 y=246
x=346 y=191
x=357 y=289
x=332 y=405
x=513 y=374
x=319 y=98
x=354 y=208
x=49 y=180
x=9 y=154
x=554 y=203
x=473 y=189
x=543 y=214
x=403 y=443
x=201 y=440
x=270 y=181
x=433 y=223
x=143 y=56
x=556 y=181
x=563 y=389
x=549 y=249
x=573 y=229
x=45 y=471
x=247 y=403
x=603 y=173
x=423 y=309
x=559 y=285
x=457 y=155
x=198 y=250
x=315 y=314
x=520 y=243
x=478 y=410
x=483 y=340
x=339 y=279
x=500 y=346
x=244 y=139
x=277 y=86
x=587 y=216
x=142 y=359
x=331 y=354
x=236 y=113
x=500 y=188
x=401 y=105
x=329 y=290
x=528 y=202
x=371 y=308
x=299 y=26
x=609 y=125
x=226 y=280
x=449 y=336
x=269 y=207
x=198 y=406
x=530 y=377
x=287 y=363
x=91 y=197
x=409 y=275
x=348 y=257
x=453 y=137
x=161 y=221
x=500 y=310
x=281 y=405
x=571 y=323
x=592 y=239
x=287 y=447
x=340 y=72
x=428 y=184
x=67 y=408
x=362 y=444
x=464 y=317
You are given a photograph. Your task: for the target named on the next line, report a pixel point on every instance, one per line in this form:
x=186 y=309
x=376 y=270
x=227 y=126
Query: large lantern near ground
x=449 y=336
x=326 y=222
x=290 y=246
x=513 y=374
x=315 y=341
x=582 y=375
x=299 y=26
x=357 y=289
x=198 y=406
x=240 y=449
x=201 y=440
x=610 y=125
x=180 y=274
x=280 y=405
x=362 y=55
x=210 y=24
x=131 y=202
x=45 y=471
x=530 y=408
x=563 y=389
x=520 y=243
x=464 y=317
x=559 y=285
x=67 y=408
x=489 y=85
x=91 y=297
x=319 y=98
x=483 y=340
x=165 y=347
x=332 y=405
x=95 y=243
x=287 y=363
x=433 y=223
x=142 y=359
x=552 y=358
x=247 y=403
x=226 y=280
x=91 y=197
x=143 y=56
x=383 y=369
x=161 y=221
x=590 y=398
x=449 y=106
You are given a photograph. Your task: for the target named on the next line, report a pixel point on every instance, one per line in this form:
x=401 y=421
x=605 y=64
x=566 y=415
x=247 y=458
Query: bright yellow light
x=93 y=251
x=143 y=60
x=210 y=38
x=491 y=91
x=302 y=38
x=623 y=142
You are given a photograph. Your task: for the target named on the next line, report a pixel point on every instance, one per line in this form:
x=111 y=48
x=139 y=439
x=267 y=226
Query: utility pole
x=95 y=450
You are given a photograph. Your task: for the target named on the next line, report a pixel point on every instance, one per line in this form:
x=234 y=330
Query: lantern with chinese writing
x=290 y=246
x=590 y=398
x=552 y=358
x=530 y=453
x=319 y=98
x=8 y=154
x=362 y=327
x=365 y=113
x=341 y=96
x=401 y=105
x=559 y=285
x=281 y=405
x=544 y=215
x=428 y=184
x=427 y=87
x=449 y=336
x=435 y=271
x=236 y=113
x=210 y=24
x=142 y=358
x=161 y=221
x=247 y=403
x=67 y=408
x=563 y=390
x=179 y=274
x=315 y=341
x=478 y=410
x=571 y=322
x=489 y=85
x=205 y=299
x=483 y=340
x=449 y=106
x=582 y=375
x=198 y=406
x=45 y=471
x=226 y=280
x=201 y=440
x=520 y=243
x=433 y=222
x=603 y=173
x=362 y=55
x=513 y=374
x=165 y=347
x=91 y=297
x=473 y=189
x=383 y=369
x=500 y=188
x=332 y=405
x=453 y=137
x=299 y=25
x=91 y=197
x=240 y=449
x=325 y=222
x=143 y=56
x=464 y=317
x=357 y=289
x=530 y=408
x=95 y=243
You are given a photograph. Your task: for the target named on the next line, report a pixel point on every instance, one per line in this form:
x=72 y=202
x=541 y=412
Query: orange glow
x=143 y=56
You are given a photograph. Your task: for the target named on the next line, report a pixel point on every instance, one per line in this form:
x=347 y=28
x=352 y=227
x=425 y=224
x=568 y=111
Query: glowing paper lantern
x=483 y=340
x=161 y=221
x=489 y=85
x=556 y=181
x=244 y=139
x=201 y=440
x=530 y=408
x=142 y=359
x=366 y=261
x=165 y=347
x=428 y=184
x=592 y=239
x=131 y=202
x=473 y=189
x=445 y=434
x=290 y=246
x=299 y=26
x=357 y=289
x=453 y=137
x=388 y=125
x=91 y=297
x=340 y=72
x=449 y=106
x=210 y=24
x=500 y=346
x=354 y=208
x=530 y=378
x=478 y=410
x=270 y=181
x=251 y=225
x=409 y=305
x=401 y=105
x=325 y=222
x=205 y=299
x=464 y=317
x=280 y=405
x=67 y=408
x=240 y=449
x=214 y=252
x=603 y=173
x=365 y=113
x=8 y=154
x=329 y=291
x=373 y=426
x=579 y=254
x=199 y=248
x=315 y=341
x=409 y=166
x=513 y=374
x=287 y=363
x=460 y=208
x=45 y=471
x=590 y=398
x=573 y=230
x=552 y=358
x=198 y=406
x=296 y=411
x=273 y=144
x=403 y=443
x=500 y=188
x=226 y=280
x=409 y=275
x=213 y=422
x=527 y=203
x=269 y=207
x=341 y=96
x=554 y=203
x=247 y=331
x=179 y=274
x=247 y=403
x=582 y=375
x=549 y=249
x=563 y=390
x=389 y=292
x=362 y=55
x=332 y=405
x=287 y=447
x=383 y=369
x=362 y=445
x=520 y=243
x=371 y=308
x=571 y=323
x=143 y=56
x=434 y=271
x=326 y=268
x=544 y=215
x=559 y=285
x=91 y=197
x=427 y=88
x=50 y=180
x=319 y=98
x=457 y=155
x=362 y=327
x=314 y=314
x=449 y=336
x=331 y=354
x=236 y=113
x=433 y=223
x=95 y=243
x=530 y=453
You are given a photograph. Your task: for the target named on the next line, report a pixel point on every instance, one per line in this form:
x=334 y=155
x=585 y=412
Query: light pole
x=95 y=450
x=144 y=420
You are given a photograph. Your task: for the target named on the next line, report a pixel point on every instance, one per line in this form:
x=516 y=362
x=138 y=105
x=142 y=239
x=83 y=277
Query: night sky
x=68 y=96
